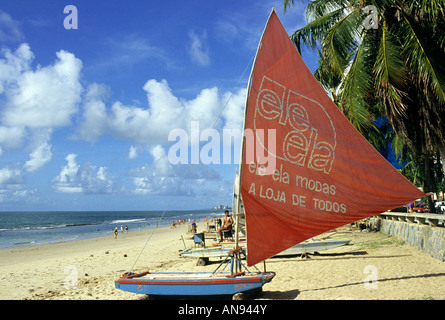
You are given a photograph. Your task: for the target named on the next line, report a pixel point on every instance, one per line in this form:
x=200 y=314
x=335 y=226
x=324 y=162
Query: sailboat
x=220 y=251
x=312 y=173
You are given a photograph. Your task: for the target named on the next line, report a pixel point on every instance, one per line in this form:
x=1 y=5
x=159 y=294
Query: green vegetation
x=374 y=244
x=382 y=63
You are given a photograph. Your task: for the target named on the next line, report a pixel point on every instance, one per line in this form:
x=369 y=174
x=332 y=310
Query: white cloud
x=46 y=97
x=236 y=27
x=164 y=112
x=29 y=196
x=95 y=120
x=146 y=125
x=11 y=176
x=34 y=101
x=162 y=178
x=162 y=166
x=11 y=137
x=131 y=123
x=204 y=108
x=12 y=186
x=9 y=28
x=226 y=30
x=67 y=180
x=41 y=155
x=196 y=50
x=130 y=50
x=13 y=65
x=233 y=113
x=158 y=178
x=74 y=178
x=133 y=153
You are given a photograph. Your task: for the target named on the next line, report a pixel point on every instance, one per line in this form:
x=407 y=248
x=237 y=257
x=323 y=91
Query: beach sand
x=374 y=266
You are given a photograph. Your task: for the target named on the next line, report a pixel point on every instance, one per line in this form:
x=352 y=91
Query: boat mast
x=238 y=205
x=237 y=210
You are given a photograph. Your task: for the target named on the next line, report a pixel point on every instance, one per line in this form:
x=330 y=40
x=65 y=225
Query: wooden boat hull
x=210 y=252
x=192 y=284
x=314 y=246
x=301 y=248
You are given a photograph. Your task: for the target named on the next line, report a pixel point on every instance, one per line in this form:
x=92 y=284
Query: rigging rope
x=188 y=169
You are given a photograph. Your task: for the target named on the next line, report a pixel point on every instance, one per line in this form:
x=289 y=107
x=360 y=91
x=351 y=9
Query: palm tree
x=384 y=59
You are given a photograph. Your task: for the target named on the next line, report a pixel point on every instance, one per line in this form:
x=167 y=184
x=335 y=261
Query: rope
x=188 y=168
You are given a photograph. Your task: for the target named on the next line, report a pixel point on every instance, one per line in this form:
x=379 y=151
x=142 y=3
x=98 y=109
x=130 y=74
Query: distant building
x=221 y=207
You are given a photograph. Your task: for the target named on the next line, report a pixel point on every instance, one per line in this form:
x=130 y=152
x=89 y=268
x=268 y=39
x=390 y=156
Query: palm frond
x=390 y=74
x=312 y=34
x=423 y=57
x=341 y=41
x=328 y=80
x=319 y=8
x=356 y=87
x=389 y=65
x=432 y=10
x=397 y=143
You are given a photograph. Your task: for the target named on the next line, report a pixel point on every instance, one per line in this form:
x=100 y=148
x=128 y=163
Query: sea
x=18 y=229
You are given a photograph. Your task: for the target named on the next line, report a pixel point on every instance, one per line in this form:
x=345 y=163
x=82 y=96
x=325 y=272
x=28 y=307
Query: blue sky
x=85 y=113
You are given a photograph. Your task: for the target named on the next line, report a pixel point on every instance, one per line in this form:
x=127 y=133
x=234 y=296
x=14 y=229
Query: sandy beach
x=373 y=267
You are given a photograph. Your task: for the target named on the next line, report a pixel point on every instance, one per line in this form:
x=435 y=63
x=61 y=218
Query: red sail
x=305 y=170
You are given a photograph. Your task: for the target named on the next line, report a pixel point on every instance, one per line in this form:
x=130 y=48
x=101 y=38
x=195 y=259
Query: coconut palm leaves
x=336 y=30
x=388 y=55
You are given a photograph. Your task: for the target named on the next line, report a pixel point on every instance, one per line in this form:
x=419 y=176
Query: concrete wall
x=425 y=238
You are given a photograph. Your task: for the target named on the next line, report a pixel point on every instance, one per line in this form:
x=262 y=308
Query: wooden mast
x=238 y=206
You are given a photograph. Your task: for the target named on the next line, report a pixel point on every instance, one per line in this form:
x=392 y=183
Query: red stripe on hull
x=190 y=282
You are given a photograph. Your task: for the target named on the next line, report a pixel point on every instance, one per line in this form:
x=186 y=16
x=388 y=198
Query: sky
x=99 y=98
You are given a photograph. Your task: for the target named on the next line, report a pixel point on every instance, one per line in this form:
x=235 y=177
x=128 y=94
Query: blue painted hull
x=192 y=284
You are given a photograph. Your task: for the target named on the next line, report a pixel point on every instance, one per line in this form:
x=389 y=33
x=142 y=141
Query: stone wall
x=425 y=238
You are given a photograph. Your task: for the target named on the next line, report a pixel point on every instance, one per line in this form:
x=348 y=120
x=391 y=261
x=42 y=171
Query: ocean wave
x=82 y=224
x=128 y=221
x=70 y=225
x=35 y=227
x=24 y=243
x=55 y=226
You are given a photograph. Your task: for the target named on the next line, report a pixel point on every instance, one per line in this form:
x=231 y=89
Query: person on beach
x=126 y=229
x=115 y=233
x=227 y=224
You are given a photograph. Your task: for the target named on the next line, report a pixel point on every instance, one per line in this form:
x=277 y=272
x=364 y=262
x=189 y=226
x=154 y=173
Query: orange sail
x=305 y=168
